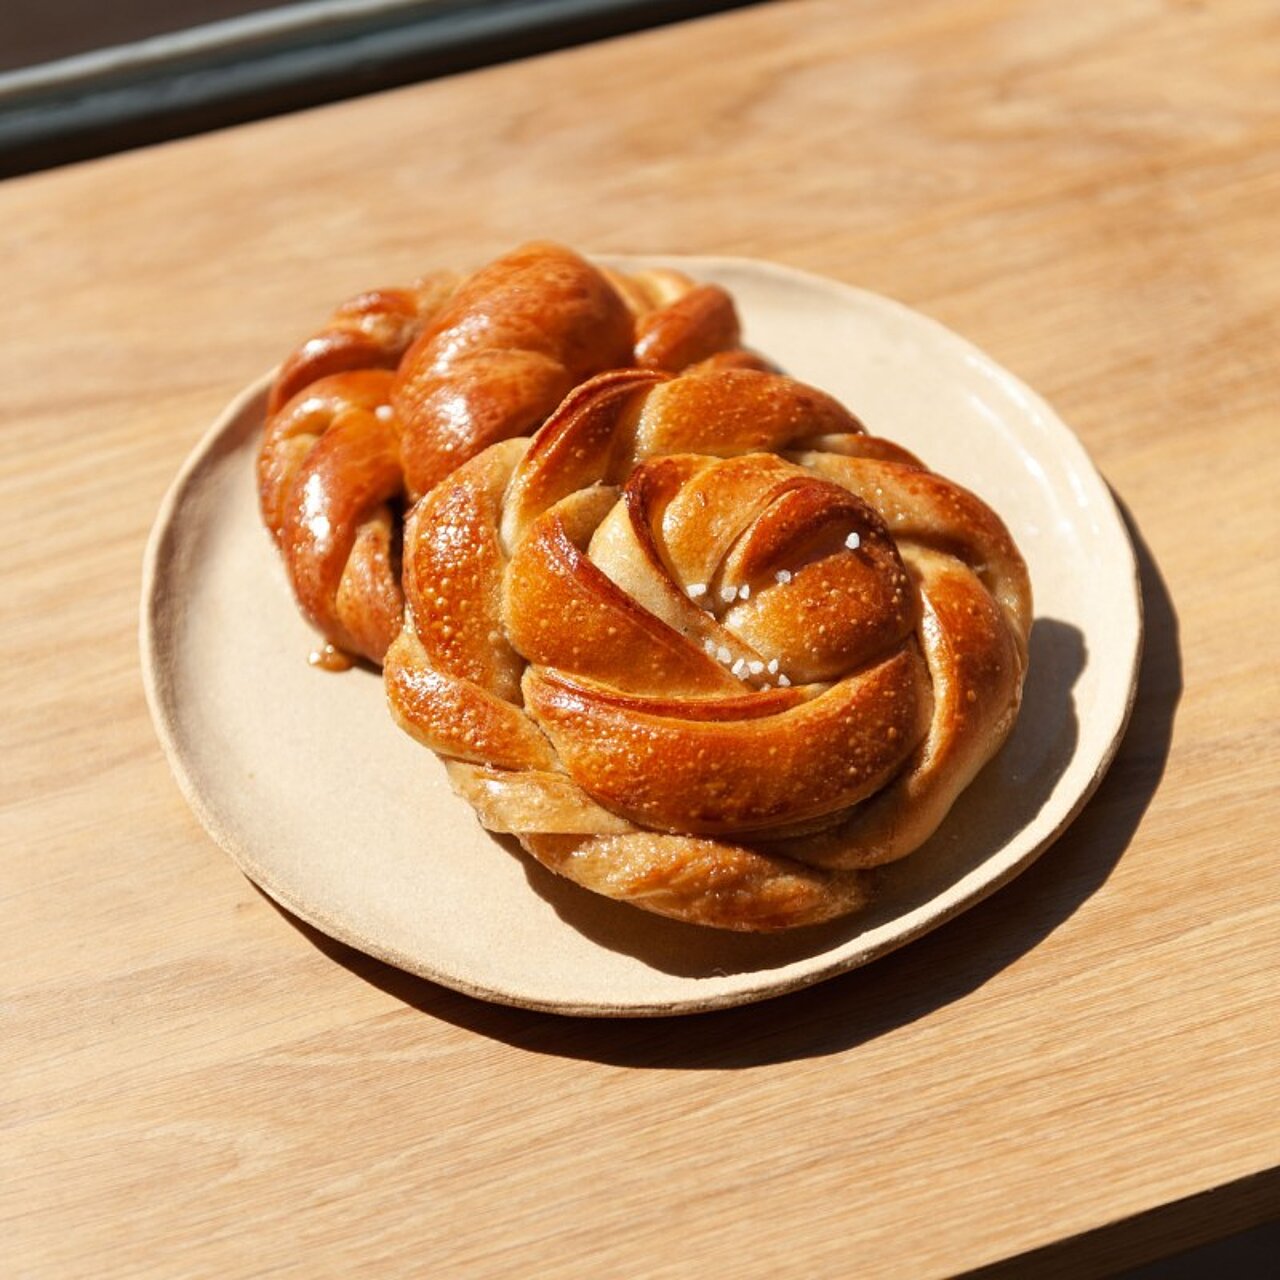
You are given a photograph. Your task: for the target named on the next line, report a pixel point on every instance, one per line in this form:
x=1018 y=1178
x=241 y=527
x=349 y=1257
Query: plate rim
x=221 y=437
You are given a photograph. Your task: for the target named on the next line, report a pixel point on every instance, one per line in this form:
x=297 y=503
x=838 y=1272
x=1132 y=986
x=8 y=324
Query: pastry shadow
x=944 y=966
x=999 y=803
x=684 y=950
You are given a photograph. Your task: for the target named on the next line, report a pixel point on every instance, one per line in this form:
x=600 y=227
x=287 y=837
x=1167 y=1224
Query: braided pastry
x=404 y=384
x=705 y=646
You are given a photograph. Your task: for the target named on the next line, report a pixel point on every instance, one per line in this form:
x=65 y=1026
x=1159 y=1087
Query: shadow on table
x=906 y=985
x=1002 y=802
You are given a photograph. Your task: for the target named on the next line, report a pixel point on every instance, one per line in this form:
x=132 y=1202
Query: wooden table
x=1086 y=1066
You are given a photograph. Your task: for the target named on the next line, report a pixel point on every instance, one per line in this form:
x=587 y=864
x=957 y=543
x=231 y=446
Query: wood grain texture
x=192 y=1085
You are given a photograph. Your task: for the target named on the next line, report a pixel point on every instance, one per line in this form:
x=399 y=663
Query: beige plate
x=302 y=777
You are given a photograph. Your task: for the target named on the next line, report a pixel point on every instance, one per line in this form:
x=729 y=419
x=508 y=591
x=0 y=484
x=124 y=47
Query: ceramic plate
x=303 y=778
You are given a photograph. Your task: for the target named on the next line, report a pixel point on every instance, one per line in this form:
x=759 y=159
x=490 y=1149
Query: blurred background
x=82 y=78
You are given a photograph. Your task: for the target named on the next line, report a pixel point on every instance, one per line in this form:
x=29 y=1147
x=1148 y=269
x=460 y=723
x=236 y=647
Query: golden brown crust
x=511 y=343
x=694 y=327
x=754 y=664
x=328 y=469
x=711 y=774
x=370 y=331
x=701 y=643
x=462 y=365
x=720 y=884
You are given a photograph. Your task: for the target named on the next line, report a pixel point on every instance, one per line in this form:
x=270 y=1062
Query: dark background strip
x=226 y=73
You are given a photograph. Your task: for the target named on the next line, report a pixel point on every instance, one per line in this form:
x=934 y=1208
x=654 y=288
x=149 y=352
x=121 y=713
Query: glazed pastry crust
x=403 y=385
x=717 y=651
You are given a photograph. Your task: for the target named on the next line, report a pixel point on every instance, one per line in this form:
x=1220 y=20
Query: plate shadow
x=945 y=965
x=993 y=809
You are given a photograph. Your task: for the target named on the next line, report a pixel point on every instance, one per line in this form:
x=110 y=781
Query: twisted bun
x=705 y=646
x=403 y=385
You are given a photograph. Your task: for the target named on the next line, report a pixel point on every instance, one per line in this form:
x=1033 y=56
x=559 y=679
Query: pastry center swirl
x=723 y=644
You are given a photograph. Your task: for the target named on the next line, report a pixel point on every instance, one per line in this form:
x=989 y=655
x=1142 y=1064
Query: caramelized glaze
x=403 y=386
x=774 y=647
